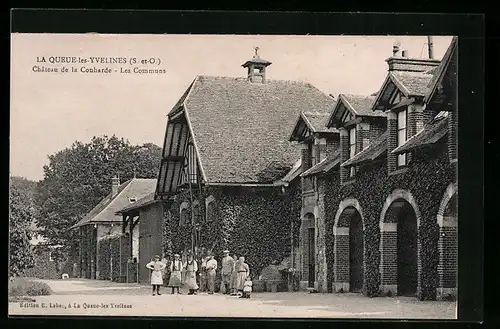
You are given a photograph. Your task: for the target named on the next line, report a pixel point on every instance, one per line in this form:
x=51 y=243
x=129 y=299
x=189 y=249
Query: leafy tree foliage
x=79 y=177
x=21 y=217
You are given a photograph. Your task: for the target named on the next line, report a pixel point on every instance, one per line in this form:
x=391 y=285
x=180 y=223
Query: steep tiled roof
x=317 y=121
x=431 y=133
x=147 y=200
x=441 y=69
x=105 y=211
x=241 y=128
x=362 y=105
x=376 y=148
x=324 y=166
x=414 y=82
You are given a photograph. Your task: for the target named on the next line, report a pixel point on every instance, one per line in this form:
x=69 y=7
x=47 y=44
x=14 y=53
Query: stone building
x=386 y=198
x=229 y=176
x=102 y=224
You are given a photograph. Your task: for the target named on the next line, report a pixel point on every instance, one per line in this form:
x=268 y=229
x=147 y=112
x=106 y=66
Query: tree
x=21 y=217
x=79 y=177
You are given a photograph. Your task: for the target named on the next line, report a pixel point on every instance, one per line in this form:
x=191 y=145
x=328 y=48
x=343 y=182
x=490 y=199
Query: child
x=247 y=288
x=156 y=267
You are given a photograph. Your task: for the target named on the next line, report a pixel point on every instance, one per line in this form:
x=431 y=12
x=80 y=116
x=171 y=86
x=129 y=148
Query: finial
x=256 y=50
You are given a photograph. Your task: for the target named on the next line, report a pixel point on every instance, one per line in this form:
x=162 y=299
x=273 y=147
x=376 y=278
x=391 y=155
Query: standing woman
x=175 y=273
x=242 y=272
x=234 y=277
x=156 y=267
x=191 y=268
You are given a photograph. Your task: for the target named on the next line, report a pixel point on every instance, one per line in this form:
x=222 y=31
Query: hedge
x=25 y=287
x=427 y=178
x=109 y=249
x=250 y=222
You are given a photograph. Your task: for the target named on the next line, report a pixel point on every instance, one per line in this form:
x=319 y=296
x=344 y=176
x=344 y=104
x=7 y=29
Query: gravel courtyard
x=89 y=297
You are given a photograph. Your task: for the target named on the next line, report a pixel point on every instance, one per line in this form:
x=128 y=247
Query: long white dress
x=156 y=272
x=191 y=269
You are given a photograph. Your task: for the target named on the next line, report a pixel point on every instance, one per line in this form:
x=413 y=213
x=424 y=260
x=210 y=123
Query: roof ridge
x=358 y=95
x=239 y=78
x=113 y=199
x=316 y=113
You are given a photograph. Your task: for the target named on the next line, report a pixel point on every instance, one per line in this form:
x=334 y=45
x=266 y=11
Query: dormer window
x=402 y=123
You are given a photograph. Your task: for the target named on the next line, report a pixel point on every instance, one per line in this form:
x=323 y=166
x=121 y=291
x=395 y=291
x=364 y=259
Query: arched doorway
x=399 y=245
x=407 y=249
x=448 y=244
x=349 y=247
x=356 y=251
x=308 y=241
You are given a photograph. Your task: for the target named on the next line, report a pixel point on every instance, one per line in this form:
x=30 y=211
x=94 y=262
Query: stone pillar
x=363 y=136
x=388 y=258
x=344 y=154
x=321 y=265
x=341 y=263
x=452 y=135
x=304 y=254
x=448 y=258
x=392 y=141
x=321 y=149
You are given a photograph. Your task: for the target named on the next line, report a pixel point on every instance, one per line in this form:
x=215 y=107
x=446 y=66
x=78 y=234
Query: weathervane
x=256 y=50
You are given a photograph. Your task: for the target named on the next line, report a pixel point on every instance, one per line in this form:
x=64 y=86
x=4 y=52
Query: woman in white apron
x=191 y=268
x=156 y=268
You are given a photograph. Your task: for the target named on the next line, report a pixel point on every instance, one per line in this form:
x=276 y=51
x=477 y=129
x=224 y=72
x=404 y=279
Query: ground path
x=92 y=297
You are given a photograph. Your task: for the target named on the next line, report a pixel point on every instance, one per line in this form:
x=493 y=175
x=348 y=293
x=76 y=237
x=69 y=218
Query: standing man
x=211 y=267
x=227 y=270
x=175 y=273
x=203 y=272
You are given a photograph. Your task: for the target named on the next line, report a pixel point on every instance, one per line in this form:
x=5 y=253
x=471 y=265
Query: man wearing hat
x=227 y=270
x=175 y=273
x=211 y=267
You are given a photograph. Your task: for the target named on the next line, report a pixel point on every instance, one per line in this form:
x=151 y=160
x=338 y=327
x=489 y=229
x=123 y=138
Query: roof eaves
x=313 y=168
x=334 y=112
x=442 y=69
x=349 y=105
x=292 y=137
x=381 y=92
x=359 y=158
x=408 y=141
x=188 y=119
x=308 y=123
x=399 y=85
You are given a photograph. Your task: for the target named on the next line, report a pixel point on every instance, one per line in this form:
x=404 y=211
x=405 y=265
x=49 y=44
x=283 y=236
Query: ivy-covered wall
x=426 y=178
x=252 y=222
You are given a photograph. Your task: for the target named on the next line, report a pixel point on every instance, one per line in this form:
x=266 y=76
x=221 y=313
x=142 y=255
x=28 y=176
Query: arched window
x=196 y=213
x=184 y=214
x=210 y=208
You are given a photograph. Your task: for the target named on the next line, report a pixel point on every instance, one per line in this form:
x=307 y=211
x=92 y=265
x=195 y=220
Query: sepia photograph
x=239 y=176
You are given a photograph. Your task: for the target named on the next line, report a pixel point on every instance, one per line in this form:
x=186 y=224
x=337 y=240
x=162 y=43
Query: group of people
x=235 y=275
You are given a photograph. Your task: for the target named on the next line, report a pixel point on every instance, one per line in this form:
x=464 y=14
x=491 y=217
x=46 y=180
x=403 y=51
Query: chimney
x=405 y=63
x=430 y=44
x=395 y=50
x=115 y=183
x=256 y=68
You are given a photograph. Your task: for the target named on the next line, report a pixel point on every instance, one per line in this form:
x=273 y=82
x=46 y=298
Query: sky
x=51 y=110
